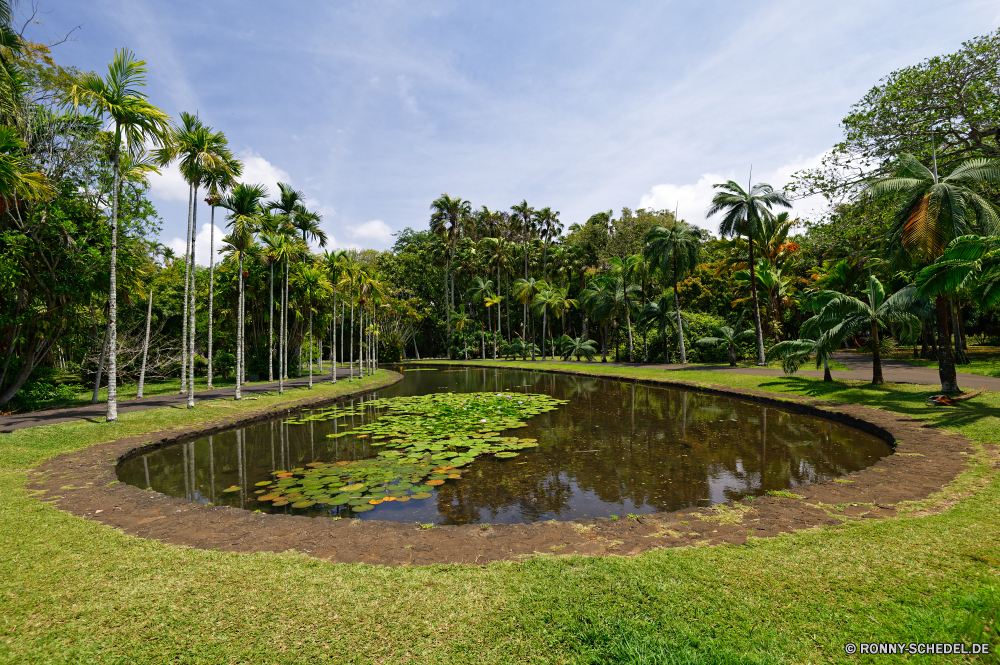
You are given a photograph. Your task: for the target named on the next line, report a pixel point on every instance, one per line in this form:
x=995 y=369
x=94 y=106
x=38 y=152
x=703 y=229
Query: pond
x=485 y=445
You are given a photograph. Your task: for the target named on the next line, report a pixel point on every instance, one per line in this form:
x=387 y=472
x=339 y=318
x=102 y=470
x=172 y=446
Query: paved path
x=859 y=369
x=97 y=411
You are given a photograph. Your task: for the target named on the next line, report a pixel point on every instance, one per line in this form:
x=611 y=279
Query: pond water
x=588 y=448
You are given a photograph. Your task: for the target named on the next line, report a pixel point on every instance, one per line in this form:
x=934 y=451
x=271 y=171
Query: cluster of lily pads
x=424 y=440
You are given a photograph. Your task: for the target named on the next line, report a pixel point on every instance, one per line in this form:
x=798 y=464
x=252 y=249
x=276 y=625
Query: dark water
x=615 y=448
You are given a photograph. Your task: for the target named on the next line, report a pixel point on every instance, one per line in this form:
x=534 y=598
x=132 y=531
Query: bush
x=224 y=363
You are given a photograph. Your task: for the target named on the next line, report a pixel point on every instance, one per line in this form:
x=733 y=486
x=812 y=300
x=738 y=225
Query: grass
x=76 y=591
x=983 y=360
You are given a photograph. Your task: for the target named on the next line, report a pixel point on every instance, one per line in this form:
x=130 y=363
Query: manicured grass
x=983 y=360
x=76 y=591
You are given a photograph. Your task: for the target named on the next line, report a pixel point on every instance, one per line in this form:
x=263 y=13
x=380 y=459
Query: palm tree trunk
x=239 y=332
x=187 y=275
x=827 y=377
x=285 y=321
x=415 y=349
x=946 y=360
x=311 y=348
x=447 y=306
x=756 y=305
x=191 y=325
x=281 y=340
x=960 y=356
x=361 y=341
x=680 y=326
x=350 y=351
x=112 y=415
x=145 y=346
x=100 y=363
x=604 y=343
x=876 y=357
x=545 y=316
x=211 y=291
x=333 y=340
x=270 y=325
x=628 y=322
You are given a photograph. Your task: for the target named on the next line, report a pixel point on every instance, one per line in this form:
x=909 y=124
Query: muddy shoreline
x=926 y=459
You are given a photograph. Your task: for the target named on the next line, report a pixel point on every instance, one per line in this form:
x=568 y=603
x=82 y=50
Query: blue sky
x=373 y=109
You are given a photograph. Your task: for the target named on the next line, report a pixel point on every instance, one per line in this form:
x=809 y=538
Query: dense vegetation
x=905 y=256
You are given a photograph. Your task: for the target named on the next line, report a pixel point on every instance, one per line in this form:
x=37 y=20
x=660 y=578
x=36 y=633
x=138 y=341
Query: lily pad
x=421 y=495
x=435 y=482
x=280 y=502
x=229 y=490
x=362 y=509
x=506 y=455
x=303 y=504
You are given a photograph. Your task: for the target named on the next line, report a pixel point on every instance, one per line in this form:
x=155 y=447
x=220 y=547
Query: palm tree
x=350 y=273
x=314 y=286
x=622 y=271
x=549 y=227
x=524 y=216
x=244 y=206
x=218 y=182
x=200 y=150
x=578 y=346
x=935 y=212
x=845 y=316
x=495 y=300
x=744 y=213
x=675 y=250
x=481 y=291
x=597 y=300
x=544 y=300
x=525 y=290
x=664 y=314
x=137 y=122
x=728 y=335
x=335 y=262
x=447 y=217
x=461 y=321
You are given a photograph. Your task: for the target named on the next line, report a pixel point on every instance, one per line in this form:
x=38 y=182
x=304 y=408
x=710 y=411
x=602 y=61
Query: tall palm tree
x=549 y=226
x=315 y=287
x=218 y=182
x=623 y=271
x=936 y=211
x=461 y=321
x=243 y=204
x=334 y=263
x=137 y=122
x=480 y=292
x=448 y=214
x=675 y=251
x=744 y=213
x=523 y=216
x=525 y=290
x=350 y=274
x=199 y=150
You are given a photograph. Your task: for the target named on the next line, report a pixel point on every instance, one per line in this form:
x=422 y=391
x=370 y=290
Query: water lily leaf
x=362 y=509
x=269 y=497
x=280 y=502
x=352 y=488
x=234 y=488
x=506 y=455
x=402 y=498
x=421 y=495
x=435 y=482
x=340 y=500
x=263 y=483
x=375 y=502
x=454 y=475
x=303 y=504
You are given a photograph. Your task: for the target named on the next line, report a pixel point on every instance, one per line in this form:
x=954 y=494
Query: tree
x=481 y=291
x=315 y=287
x=461 y=321
x=136 y=123
x=525 y=290
x=744 y=214
x=675 y=251
x=845 y=316
x=934 y=212
x=523 y=219
x=577 y=347
x=728 y=335
x=244 y=205
x=448 y=214
x=549 y=226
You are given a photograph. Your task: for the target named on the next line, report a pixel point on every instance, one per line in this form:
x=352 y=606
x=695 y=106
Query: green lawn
x=78 y=592
x=983 y=360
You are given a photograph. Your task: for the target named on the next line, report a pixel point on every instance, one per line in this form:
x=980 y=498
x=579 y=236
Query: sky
x=373 y=109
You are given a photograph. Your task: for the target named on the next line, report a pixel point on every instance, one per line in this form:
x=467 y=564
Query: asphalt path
x=96 y=412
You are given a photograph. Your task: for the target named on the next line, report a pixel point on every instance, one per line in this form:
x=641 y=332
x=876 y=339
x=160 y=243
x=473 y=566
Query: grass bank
x=76 y=591
x=983 y=360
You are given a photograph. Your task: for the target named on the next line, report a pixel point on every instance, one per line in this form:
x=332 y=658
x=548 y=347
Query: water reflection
x=616 y=448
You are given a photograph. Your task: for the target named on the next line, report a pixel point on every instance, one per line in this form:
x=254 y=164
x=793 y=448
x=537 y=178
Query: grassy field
x=983 y=360
x=78 y=592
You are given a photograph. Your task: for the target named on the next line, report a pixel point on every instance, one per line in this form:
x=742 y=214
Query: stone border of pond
x=926 y=459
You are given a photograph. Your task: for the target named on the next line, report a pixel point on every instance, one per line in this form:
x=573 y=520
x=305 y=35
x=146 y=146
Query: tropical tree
x=462 y=321
x=936 y=211
x=549 y=226
x=137 y=122
x=523 y=218
x=728 y=335
x=315 y=287
x=525 y=290
x=844 y=316
x=744 y=213
x=577 y=347
x=481 y=291
x=335 y=263
x=244 y=205
x=663 y=313
x=448 y=214
x=675 y=251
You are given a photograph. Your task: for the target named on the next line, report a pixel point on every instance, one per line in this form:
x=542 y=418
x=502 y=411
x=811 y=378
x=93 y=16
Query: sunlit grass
x=76 y=591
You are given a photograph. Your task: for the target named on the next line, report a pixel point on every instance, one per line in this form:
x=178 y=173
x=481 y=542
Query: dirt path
x=96 y=411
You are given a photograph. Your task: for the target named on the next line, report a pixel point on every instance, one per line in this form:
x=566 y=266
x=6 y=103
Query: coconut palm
x=577 y=347
x=448 y=214
x=334 y=263
x=494 y=301
x=744 y=214
x=549 y=227
x=622 y=272
x=663 y=313
x=936 y=211
x=481 y=291
x=137 y=122
x=462 y=321
x=675 y=251
x=525 y=290
x=523 y=219
x=18 y=179
x=243 y=204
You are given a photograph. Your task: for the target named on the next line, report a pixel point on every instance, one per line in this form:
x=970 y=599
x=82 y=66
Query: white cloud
x=169 y=185
x=375 y=230
x=201 y=244
x=694 y=199
x=259 y=171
